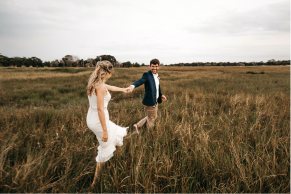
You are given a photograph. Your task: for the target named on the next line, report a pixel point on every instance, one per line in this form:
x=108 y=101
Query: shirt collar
x=156 y=75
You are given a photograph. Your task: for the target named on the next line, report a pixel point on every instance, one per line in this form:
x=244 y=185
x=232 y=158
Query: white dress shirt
x=157 y=83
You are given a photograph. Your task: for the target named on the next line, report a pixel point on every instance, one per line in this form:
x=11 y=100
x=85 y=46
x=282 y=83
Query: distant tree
x=162 y=64
x=90 y=62
x=127 y=64
x=24 y=62
x=12 y=61
x=81 y=63
x=54 y=63
x=142 y=64
x=67 y=60
x=71 y=60
x=285 y=62
x=46 y=63
x=4 y=61
x=35 y=62
x=61 y=64
x=136 y=64
x=18 y=61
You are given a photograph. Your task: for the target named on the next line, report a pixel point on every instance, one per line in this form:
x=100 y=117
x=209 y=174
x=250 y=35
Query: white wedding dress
x=115 y=132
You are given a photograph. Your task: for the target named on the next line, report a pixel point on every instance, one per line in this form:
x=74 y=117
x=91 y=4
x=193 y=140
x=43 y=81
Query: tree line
x=66 y=61
x=261 y=63
x=74 y=61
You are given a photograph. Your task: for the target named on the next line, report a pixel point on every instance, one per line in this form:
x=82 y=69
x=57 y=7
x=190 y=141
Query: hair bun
x=105 y=65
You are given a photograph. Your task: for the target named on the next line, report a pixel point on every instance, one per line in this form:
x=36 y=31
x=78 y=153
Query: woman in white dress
x=109 y=135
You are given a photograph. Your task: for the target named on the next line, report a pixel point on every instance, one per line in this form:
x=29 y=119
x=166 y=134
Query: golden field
x=223 y=129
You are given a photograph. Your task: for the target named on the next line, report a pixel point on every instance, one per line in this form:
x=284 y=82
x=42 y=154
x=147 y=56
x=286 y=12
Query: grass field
x=223 y=129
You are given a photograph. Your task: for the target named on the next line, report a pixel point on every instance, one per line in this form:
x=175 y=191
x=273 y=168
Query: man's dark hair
x=154 y=62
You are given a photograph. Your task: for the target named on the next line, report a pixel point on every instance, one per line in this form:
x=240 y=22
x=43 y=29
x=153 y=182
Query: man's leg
x=151 y=116
x=141 y=122
x=152 y=113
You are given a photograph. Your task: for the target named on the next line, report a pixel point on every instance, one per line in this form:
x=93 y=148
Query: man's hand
x=130 y=89
x=164 y=98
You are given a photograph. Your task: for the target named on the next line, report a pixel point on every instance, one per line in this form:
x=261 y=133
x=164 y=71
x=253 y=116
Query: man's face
x=154 y=68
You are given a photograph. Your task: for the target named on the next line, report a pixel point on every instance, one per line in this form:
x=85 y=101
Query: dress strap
x=106 y=91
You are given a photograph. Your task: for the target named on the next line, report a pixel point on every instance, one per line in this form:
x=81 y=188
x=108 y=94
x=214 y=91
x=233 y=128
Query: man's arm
x=139 y=82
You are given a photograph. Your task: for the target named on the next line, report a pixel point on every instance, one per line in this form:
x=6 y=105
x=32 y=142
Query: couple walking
x=109 y=135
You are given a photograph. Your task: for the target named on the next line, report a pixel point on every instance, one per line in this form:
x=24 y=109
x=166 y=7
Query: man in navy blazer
x=153 y=94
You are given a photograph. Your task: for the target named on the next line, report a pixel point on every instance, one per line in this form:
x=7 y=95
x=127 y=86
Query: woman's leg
x=99 y=166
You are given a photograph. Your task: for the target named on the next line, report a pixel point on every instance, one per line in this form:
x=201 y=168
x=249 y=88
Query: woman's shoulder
x=100 y=88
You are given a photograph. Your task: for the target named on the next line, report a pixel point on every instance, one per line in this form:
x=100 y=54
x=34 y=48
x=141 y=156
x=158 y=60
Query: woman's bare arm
x=101 y=92
x=115 y=89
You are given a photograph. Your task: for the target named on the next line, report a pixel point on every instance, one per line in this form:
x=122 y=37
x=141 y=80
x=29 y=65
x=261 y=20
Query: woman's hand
x=105 y=136
x=126 y=90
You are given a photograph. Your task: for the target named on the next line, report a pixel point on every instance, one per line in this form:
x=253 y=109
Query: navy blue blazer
x=150 y=89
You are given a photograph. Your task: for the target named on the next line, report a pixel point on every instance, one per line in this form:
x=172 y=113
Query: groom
x=153 y=94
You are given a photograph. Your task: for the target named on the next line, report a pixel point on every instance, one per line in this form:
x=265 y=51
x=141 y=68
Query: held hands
x=125 y=90
x=128 y=90
x=105 y=136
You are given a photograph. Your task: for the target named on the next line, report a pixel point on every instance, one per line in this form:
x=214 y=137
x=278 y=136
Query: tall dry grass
x=35 y=73
x=221 y=130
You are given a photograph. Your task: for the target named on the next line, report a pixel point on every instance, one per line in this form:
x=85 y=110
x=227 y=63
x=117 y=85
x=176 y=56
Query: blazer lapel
x=153 y=79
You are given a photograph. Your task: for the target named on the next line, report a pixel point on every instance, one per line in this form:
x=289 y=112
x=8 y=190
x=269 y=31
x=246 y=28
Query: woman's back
x=93 y=100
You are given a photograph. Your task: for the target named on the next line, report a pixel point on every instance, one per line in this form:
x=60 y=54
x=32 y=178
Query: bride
x=109 y=135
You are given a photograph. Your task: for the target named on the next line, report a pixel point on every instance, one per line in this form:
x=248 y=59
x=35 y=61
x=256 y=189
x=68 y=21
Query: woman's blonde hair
x=103 y=68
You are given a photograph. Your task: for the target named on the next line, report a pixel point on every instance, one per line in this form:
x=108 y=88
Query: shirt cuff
x=133 y=86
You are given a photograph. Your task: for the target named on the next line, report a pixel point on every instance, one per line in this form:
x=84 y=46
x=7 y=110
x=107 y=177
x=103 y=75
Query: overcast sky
x=171 y=30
